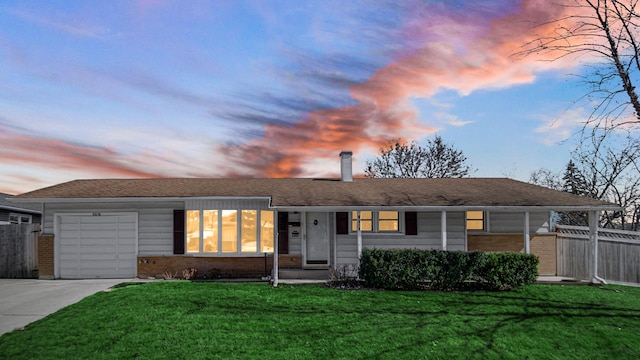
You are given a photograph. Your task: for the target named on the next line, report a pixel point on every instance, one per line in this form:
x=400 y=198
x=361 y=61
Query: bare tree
x=400 y=159
x=604 y=35
x=604 y=169
x=609 y=167
x=547 y=178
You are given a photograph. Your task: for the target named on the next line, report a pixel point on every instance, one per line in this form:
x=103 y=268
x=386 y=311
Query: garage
x=96 y=245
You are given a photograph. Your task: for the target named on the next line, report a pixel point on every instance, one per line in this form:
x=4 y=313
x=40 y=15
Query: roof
x=26 y=208
x=306 y=192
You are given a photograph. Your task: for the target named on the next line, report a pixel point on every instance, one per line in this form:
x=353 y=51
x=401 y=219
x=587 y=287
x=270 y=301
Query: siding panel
x=155 y=221
x=513 y=222
x=228 y=204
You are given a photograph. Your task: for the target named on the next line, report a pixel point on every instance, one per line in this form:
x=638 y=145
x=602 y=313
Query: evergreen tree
x=574 y=183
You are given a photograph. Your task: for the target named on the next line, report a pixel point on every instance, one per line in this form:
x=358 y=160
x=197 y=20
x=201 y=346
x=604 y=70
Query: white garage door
x=97 y=246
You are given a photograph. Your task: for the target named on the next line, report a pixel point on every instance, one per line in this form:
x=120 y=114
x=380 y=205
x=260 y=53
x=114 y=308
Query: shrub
x=505 y=271
x=413 y=269
x=455 y=269
x=344 y=276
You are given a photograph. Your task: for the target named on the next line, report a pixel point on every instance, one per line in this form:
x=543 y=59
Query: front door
x=317 y=240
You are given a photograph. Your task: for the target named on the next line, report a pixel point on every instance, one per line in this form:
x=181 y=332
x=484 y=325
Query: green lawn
x=185 y=320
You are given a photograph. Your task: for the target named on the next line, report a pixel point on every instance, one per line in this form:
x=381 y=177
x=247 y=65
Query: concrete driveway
x=23 y=301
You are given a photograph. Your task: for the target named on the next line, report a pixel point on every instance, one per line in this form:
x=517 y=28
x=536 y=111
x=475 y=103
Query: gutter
x=327 y=208
x=22 y=210
x=136 y=199
x=533 y=208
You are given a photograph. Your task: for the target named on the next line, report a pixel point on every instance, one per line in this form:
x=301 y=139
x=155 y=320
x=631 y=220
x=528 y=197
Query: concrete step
x=307 y=274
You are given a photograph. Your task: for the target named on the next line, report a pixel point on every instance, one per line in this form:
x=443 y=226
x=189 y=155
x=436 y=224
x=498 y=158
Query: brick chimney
x=345 y=166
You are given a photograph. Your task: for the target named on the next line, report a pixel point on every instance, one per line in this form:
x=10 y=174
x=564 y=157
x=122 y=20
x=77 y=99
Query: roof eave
x=22 y=210
x=451 y=208
x=329 y=208
x=136 y=199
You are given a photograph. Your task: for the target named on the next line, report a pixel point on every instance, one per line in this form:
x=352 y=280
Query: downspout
x=527 y=234
x=593 y=238
x=41 y=221
x=359 y=237
x=276 y=270
x=443 y=225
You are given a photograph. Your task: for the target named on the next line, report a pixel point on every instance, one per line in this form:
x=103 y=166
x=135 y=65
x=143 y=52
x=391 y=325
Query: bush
x=412 y=269
x=505 y=271
x=344 y=276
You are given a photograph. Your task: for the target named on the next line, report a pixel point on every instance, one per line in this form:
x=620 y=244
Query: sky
x=155 y=88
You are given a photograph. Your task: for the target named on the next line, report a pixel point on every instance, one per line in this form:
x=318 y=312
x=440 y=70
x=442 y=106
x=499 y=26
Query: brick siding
x=45 y=257
x=542 y=245
x=213 y=267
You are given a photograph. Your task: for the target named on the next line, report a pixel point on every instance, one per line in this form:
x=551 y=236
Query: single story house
x=122 y=228
x=12 y=213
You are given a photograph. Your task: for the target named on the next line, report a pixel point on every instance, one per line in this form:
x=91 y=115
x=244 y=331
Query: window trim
x=375 y=224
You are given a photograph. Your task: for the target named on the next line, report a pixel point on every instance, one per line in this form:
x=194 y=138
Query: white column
x=593 y=244
x=359 y=236
x=527 y=232
x=443 y=229
x=275 y=250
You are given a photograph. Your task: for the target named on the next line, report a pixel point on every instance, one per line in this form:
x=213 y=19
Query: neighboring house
x=123 y=228
x=13 y=213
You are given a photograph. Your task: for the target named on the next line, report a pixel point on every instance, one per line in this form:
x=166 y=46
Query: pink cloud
x=25 y=151
x=478 y=56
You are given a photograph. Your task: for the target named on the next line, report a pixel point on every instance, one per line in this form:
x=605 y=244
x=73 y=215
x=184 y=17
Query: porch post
x=275 y=251
x=443 y=229
x=527 y=234
x=359 y=237
x=593 y=244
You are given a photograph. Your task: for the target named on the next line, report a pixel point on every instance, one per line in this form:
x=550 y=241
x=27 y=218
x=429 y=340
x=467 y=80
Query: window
x=388 y=221
x=19 y=219
x=249 y=231
x=210 y=230
x=366 y=221
x=229 y=231
x=193 y=231
x=267 y=234
x=376 y=221
x=475 y=220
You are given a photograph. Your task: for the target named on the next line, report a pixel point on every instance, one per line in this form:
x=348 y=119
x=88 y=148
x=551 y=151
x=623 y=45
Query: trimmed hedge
x=412 y=269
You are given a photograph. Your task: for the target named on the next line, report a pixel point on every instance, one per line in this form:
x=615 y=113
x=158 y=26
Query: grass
x=185 y=320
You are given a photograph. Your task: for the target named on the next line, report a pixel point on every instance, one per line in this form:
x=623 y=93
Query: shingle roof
x=461 y=192
x=28 y=208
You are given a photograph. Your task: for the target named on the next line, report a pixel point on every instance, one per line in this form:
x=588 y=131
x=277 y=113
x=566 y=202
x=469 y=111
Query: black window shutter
x=178 y=231
x=411 y=223
x=342 y=223
x=283 y=233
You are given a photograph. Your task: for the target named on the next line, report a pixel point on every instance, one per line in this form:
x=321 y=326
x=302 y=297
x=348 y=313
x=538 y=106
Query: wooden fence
x=618 y=253
x=18 y=251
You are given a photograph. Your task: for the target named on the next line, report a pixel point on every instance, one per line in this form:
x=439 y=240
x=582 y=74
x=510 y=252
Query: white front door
x=317 y=240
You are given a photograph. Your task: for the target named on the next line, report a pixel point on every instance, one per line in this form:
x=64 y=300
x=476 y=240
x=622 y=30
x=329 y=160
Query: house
x=122 y=228
x=11 y=213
